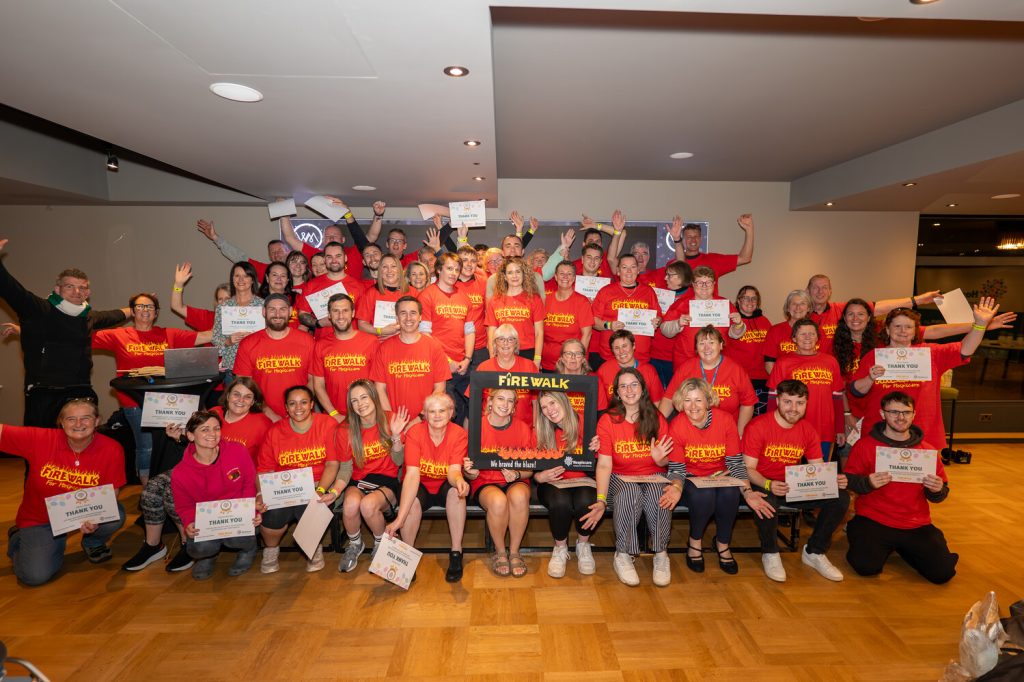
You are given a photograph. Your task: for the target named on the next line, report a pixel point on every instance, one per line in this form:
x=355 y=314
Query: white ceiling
x=354 y=93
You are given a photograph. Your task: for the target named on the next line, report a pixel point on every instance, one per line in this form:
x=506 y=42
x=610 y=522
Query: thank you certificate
x=287 y=488
x=395 y=561
x=384 y=314
x=68 y=511
x=638 y=320
x=221 y=519
x=812 y=482
x=905 y=364
x=906 y=465
x=714 y=312
x=161 y=409
x=318 y=301
x=666 y=297
x=589 y=286
x=468 y=213
x=241 y=318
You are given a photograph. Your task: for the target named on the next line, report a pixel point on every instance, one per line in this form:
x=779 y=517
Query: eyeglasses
x=144 y=306
x=703 y=283
x=751 y=299
x=899 y=413
x=87 y=419
x=629 y=387
x=572 y=354
x=505 y=339
x=396 y=241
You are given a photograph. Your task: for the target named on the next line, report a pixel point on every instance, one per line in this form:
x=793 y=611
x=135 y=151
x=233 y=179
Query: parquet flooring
x=99 y=623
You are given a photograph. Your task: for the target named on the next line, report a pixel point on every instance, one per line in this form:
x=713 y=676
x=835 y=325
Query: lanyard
x=704 y=374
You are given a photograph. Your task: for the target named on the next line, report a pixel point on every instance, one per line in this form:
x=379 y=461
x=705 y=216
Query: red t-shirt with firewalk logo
x=476 y=289
x=704 y=450
x=410 y=370
x=609 y=300
x=433 y=460
x=820 y=372
x=563 y=320
x=748 y=350
x=275 y=364
x=376 y=456
x=134 y=349
x=631 y=456
x=366 y=308
x=286 y=449
x=447 y=315
x=519 y=311
x=340 y=362
x=607 y=372
x=250 y=431
x=776 y=448
x=515 y=435
x=729 y=381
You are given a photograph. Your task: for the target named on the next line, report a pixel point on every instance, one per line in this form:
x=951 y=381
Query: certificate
x=666 y=297
x=428 y=211
x=638 y=320
x=954 y=307
x=579 y=482
x=905 y=364
x=241 y=318
x=68 y=511
x=318 y=301
x=309 y=532
x=468 y=214
x=161 y=409
x=650 y=478
x=221 y=519
x=287 y=488
x=395 y=561
x=716 y=481
x=812 y=482
x=279 y=209
x=324 y=207
x=714 y=312
x=906 y=465
x=589 y=286
x=384 y=314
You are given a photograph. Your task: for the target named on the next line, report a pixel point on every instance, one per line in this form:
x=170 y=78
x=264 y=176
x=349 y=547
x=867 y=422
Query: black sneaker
x=181 y=561
x=454 y=572
x=98 y=554
x=144 y=557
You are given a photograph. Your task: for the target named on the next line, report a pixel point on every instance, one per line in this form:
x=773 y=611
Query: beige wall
x=127 y=249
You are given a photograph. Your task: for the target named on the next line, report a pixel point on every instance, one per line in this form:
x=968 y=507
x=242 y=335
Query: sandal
x=518 y=565
x=694 y=563
x=728 y=565
x=500 y=565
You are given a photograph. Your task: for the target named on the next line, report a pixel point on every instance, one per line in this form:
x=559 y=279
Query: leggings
x=924 y=548
x=629 y=502
x=704 y=503
x=157 y=501
x=566 y=506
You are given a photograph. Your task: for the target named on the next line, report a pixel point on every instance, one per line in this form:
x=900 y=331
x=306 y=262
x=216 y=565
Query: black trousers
x=924 y=548
x=456 y=390
x=565 y=507
x=830 y=515
x=722 y=504
x=42 y=404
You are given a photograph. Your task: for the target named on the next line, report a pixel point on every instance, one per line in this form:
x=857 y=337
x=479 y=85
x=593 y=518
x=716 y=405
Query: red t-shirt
x=275 y=364
x=366 y=308
x=661 y=346
x=631 y=456
x=748 y=350
x=250 y=431
x=133 y=349
x=524 y=397
x=779 y=343
x=199 y=319
x=353 y=287
x=448 y=316
x=353 y=259
x=926 y=394
x=563 y=320
x=52 y=469
x=519 y=311
x=824 y=380
x=654 y=278
x=606 y=376
x=721 y=263
x=896 y=504
x=342 y=362
x=683 y=347
x=410 y=258
x=476 y=289
x=729 y=380
x=828 y=319
x=433 y=460
x=578 y=401
x=410 y=370
x=285 y=449
x=609 y=301
x=578 y=450
x=376 y=457
x=515 y=435
x=704 y=450
x=776 y=448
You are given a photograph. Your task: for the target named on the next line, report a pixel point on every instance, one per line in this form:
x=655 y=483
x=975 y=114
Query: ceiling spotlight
x=479 y=178
x=950 y=205
x=869 y=20
x=909 y=184
x=112 y=164
x=236 y=92
x=1006 y=196
x=920 y=243
x=363 y=188
x=922 y=2
x=456 y=71
x=830 y=203
x=472 y=143
x=936 y=224
x=681 y=155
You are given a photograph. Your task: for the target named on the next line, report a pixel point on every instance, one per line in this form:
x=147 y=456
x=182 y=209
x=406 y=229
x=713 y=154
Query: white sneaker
x=585 y=558
x=269 y=562
x=624 y=568
x=773 y=567
x=662 y=569
x=559 y=557
x=821 y=564
x=317 y=562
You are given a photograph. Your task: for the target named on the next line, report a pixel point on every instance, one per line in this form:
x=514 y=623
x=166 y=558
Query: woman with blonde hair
x=517 y=302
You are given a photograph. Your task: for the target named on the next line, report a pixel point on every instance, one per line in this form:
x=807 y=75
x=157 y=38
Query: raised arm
x=373 y=233
x=618 y=238
x=984 y=311
x=18 y=297
x=182 y=274
x=676 y=231
x=886 y=306
x=226 y=248
x=746 y=254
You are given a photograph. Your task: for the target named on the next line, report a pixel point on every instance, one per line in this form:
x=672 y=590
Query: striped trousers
x=629 y=502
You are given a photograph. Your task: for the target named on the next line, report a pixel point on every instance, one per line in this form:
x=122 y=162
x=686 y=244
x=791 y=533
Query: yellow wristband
x=177 y=289
x=378 y=330
x=536 y=357
x=978 y=327
x=348 y=215
x=767 y=485
x=616 y=233
x=332 y=413
x=603 y=498
x=463 y=240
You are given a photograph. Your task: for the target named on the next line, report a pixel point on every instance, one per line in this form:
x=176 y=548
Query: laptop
x=180 y=363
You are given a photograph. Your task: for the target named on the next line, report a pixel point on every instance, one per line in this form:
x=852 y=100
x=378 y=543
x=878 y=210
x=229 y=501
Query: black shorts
x=429 y=500
x=503 y=487
x=276 y=519
x=373 y=482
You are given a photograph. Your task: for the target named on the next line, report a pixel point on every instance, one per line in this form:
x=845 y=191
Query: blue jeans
x=210 y=548
x=664 y=370
x=143 y=440
x=37 y=555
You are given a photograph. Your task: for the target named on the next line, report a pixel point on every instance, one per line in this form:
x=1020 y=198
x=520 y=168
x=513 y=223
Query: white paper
x=68 y=511
x=324 y=207
x=714 y=312
x=279 y=209
x=161 y=409
x=318 y=301
x=589 y=286
x=310 y=529
x=650 y=478
x=287 y=488
x=221 y=519
x=666 y=297
x=954 y=307
x=905 y=364
x=906 y=465
x=578 y=482
x=428 y=211
x=395 y=561
x=716 y=481
x=638 y=320
x=241 y=318
x=812 y=482
x=384 y=314
x=468 y=213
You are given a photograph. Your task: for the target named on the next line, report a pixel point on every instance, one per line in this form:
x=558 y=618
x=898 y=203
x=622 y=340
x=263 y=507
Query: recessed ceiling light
x=479 y=178
x=909 y=184
x=472 y=143
x=950 y=205
x=936 y=224
x=456 y=71
x=363 y=188
x=1006 y=196
x=236 y=92
x=871 y=19
x=681 y=155
x=922 y=2
x=830 y=203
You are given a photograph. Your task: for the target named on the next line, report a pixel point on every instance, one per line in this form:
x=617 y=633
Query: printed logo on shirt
x=891 y=385
x=235 y=439
x=68 y=479
x=560 y=320
x=578 y=401
x=787 y=347
x=723 y=391
x=704 y=453
x=818 y=376
x=296 y=459
x=452 y=311
x=409 y=368
x=828 y=330
x=433 y=469
x=279 y=364
x=512 y=314
x=632 y=449
x=345 y=362
x=374 y=451
x=146 y=348
x=641 y=305
x=475 y=299
x=781 y=452
x=754 y=336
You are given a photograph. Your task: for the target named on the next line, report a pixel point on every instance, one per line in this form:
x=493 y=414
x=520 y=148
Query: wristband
x=348 y=215
x=320 y=490
x=602 y=498
x=677 y=241
x=179 y=289
x=378 y=215
x=616 y=233
x=333 y=492
x=378 y=330
x=767 y=485
x=536 y=357
x=332 y=413
x=463 y=240
x=978 y=327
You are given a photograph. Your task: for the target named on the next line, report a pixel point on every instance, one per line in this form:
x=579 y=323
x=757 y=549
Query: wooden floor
x=99 y=623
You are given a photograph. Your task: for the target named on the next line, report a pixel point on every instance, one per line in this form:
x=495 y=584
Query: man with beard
x=276 y=358
x=371 y=262
x=447 y=317
x=334 y=256
x=340 y=358
x=772 y=442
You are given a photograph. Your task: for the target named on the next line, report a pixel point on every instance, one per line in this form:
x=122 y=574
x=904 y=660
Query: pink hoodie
x=231 y=475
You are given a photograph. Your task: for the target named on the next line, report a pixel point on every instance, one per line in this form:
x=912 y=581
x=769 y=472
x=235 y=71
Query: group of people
x=362 y=369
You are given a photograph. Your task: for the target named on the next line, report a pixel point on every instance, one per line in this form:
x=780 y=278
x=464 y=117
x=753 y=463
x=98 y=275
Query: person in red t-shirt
x=277 y=357
x=779 y=339
x=748 y=350
x=473 y=283
x=199 y=319
x=623 y=345
x=721 y=263
x=774 y=441
x=507 y=359
x=390 y=287
x=598 y=263
x=373 y=437
x=895 y=516
x=635 y=437
x=516 y=302
x=678 y=278
x=317 y=264
x=334 y=256
x=434 y=452
x=567 y=315
x=298 y=270
x=503 y=493
x=277 y=280
x=304 y=439
x=621 y=295
x=706 y=443
x=678 y=324
x=60 y=461
x=341 y=358
x=447 y=318
x=573 y=360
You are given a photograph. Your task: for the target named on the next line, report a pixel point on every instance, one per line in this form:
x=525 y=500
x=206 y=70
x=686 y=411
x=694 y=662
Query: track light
x=112 y=164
